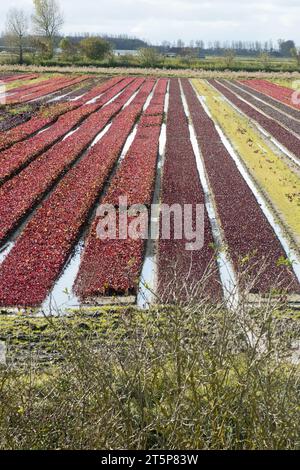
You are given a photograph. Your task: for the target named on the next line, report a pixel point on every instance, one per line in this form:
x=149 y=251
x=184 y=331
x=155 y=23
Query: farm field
x=72 y=144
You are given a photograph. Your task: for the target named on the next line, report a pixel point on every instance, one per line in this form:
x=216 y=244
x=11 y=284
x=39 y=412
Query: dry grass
x=190 y=73
x=190 y=376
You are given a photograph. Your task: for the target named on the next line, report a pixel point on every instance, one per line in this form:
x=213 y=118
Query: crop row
x=28 y=273
x=17 y=157
x=47 y=116
x=290 y=141
x=36 y=86
x=43 y=118
x=268 y=99
x=268 y=110
x=9 y=120
x=21 y=154
x=140 y=160
x=14 y=95
x=26 y=91
x=114 y=265
x=98 y=90
x=41 y=90
x=278 y=92
x=181 y=185
x=19 y=195
x=251 y=241
x=59 y=83
x=83 y=89
x=44 y=91
x=271 y=172
x=13 y=78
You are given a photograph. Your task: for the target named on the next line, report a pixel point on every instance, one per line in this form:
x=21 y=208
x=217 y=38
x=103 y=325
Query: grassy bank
x=186 y=377
x=210 y=63
x=156 y=72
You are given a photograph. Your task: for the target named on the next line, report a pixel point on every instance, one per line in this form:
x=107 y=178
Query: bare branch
x=17 y=30
x=47 y=20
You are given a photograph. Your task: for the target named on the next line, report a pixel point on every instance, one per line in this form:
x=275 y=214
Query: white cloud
x=157 y=20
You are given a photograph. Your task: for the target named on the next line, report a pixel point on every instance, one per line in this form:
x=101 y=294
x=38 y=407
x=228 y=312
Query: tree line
x=41 y=34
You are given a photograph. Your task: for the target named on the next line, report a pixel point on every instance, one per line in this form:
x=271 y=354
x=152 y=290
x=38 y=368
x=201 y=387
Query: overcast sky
x=158 y=20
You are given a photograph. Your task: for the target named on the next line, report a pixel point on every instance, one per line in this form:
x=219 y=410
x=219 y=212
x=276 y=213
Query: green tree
x=149 y=57
x=295 y=52
x=285 y=47
x=47 y=21
x=95 y=48
x=265 y=60
x=68 y=48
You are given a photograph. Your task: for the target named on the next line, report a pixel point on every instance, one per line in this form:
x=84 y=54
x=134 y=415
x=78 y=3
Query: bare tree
x=229 y=57
x=47 y=21
x=265 y=60
x=17 y=30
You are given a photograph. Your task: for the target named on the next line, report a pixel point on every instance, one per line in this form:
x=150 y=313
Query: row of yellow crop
x=278 y=180
x=36 y=81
